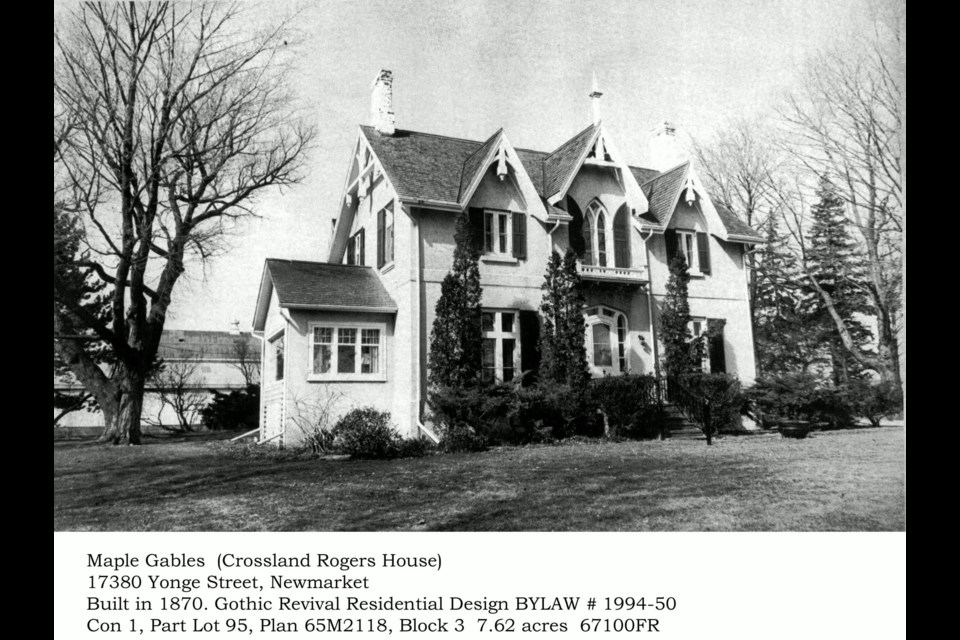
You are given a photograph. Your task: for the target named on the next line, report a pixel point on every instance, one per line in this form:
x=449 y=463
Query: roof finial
x=595 y=99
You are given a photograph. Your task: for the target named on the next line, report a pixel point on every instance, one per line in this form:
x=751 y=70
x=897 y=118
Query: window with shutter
x=716 y=352
x=575 y=229
x=670 y=238
x=351 y=249
x=529 y=351
x=476 y=228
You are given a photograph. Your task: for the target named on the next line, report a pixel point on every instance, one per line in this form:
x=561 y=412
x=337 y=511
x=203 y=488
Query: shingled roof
x=661 y=192
x=735 y=226
x=430 y=167
x=321 y=285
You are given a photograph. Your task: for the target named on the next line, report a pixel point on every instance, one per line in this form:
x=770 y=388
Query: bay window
x=346 y=352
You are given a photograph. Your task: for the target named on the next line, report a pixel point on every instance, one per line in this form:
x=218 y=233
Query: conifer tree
x=562 y=351
x=456 y=338
x=785 y=341
x=681 y=353
x=835 y=263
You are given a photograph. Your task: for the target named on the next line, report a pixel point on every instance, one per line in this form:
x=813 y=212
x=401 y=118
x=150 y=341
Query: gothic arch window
x=607 y=340
x=621 y=238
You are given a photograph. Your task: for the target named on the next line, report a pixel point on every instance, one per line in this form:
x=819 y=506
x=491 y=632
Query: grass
x=833 y=481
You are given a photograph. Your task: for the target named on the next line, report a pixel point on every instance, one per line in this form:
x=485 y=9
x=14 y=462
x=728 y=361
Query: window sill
x=698 y=275
x=498 y=259
x=347 y=377
x=388 y=267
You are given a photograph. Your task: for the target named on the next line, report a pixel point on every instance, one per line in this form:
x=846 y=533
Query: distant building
x=215 y=361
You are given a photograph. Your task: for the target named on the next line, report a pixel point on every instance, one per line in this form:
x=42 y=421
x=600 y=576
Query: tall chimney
x=665 y=149
x=381 y=103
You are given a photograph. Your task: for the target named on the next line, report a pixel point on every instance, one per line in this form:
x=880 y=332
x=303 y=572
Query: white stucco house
x=356 y=323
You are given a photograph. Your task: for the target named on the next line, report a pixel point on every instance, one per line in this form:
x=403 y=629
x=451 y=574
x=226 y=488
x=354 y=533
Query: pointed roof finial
x=595 y=99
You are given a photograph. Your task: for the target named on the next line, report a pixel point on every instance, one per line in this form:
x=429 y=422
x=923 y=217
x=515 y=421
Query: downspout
x=653 y=325
x=556 y=225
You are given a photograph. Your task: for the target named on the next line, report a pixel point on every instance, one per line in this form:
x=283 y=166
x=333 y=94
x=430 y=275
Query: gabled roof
x=323 y=286
x=475 y=164
x=440 y=170
x=558 y=166
x=662 y=191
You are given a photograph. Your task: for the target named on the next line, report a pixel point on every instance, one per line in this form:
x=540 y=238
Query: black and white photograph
x=488 y=266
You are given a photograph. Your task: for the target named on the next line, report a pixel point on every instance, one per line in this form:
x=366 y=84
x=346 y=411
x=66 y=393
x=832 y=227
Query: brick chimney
x=381 y=103
x=666 y=151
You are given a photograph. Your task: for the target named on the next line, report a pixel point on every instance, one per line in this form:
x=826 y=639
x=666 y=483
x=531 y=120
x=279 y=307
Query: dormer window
x=694 y=246
x=499 y=234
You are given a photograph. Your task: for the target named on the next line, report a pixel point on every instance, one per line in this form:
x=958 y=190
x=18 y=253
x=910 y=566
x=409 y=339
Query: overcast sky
x=467 y=68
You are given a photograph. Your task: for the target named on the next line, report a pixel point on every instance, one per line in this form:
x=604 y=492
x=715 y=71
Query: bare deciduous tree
x=179 y=386
x=245 y=360
x=168 y=121
x=847 y=123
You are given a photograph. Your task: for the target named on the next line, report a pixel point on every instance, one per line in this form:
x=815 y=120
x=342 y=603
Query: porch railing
x=694 y=406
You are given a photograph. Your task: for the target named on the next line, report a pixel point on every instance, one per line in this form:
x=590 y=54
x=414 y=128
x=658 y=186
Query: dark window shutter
x=718 y=358
x=476 y=229
x=381 y=240
x=575 y=227
x=529 y=353
x=703 y=248
x=362 y=253
x=670 y=237
x=621 y=238
x=351 y=243
x=519 y=236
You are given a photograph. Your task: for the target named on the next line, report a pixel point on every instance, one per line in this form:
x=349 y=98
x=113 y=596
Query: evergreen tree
x=785 y=341
x=834 y=261
x=562 y=351
x=681 y=353
x=456 y=337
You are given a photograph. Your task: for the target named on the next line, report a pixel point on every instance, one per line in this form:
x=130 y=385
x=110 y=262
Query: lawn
x=833 y=481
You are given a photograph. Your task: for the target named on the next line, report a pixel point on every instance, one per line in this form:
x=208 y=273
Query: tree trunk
x=123 y=420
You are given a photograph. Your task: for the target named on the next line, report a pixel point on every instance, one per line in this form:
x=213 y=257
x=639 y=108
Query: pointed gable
x=474 y=165
x=559 y=166
x=662 y=192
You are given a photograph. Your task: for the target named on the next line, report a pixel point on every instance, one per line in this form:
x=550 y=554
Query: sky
x=465 y=69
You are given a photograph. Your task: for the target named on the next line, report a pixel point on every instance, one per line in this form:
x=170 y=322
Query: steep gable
x=559 y=166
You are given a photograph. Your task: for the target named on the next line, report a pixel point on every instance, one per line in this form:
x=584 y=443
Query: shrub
x=725 y=395
x=630 y=404
x=239 y=409
x=875 y=401
x=367 y=433
x=801 y=396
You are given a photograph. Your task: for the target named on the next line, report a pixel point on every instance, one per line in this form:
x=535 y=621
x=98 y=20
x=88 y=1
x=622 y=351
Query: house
x=200 y=362
x=353 y=329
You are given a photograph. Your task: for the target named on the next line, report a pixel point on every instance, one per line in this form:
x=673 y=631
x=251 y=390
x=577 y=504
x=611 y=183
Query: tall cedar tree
x=835 y=262
x=455 y=340
x=681 y=353
x=785 y=341
x=562 y=352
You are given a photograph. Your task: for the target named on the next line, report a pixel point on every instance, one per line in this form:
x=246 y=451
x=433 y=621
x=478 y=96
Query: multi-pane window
x=370 y=351
x=500 y=352
x=322 y=349
x=608 y=340
x=606 y=239
x=277 y=346
x=694 y=246
x=496 y=232
x=346 y=352
x=356 y=248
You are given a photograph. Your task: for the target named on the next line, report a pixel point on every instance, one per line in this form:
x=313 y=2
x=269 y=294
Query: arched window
x=596 y=218
x=587 y=240
x=601 y=238
x=608 y=341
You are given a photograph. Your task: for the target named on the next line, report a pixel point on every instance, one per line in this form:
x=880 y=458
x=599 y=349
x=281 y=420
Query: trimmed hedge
x=629 y=403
